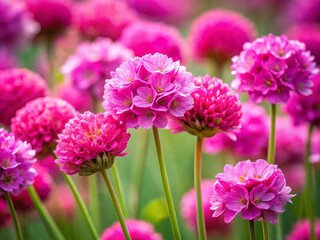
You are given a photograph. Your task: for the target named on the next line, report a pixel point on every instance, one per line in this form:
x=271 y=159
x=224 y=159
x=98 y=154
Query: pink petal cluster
x=18 y=86
x=301 y=230
x=306 y=109
x=253 y=132
x=144 y=91
x=188 y=206
x=145 y=37
x=92 y=63
x=89 y=140
x=40 y=121
x=103 y=18
x=271 y=67
x=138 y=229
x=16 y=160
x=254 y=189
x=216 y=109
x=220 y=34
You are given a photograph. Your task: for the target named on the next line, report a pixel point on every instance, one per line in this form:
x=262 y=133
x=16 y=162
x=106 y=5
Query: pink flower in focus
x=89 y=143
x=138 y=229
x=301 y=230
x=271 y=67
x=254 y=189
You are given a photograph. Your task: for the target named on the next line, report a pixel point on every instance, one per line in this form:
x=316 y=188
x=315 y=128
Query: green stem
x=265 y=229
x=94 y=199
x=272 y=139
x=46 y=218
x=119 y=188
x=279 y=228
x=82 y=206
x=197 y=185
x=165 y=183
x=14 y=216
x=252 y=231
x=49 y=47
x=116 y=204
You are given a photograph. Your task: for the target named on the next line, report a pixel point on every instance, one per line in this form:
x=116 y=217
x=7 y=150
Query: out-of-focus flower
x=254 y=189
x=219 y=35
x=103 y=18
x=7 y=59
x=315 y=149
x=150 y=37
x=138 y=229
x=144 y=91
x=271 y=67
x=301 y=230
x=5 y=216
x=18 y=86
x=40 y=121
x=89 y=143
x=188 y=206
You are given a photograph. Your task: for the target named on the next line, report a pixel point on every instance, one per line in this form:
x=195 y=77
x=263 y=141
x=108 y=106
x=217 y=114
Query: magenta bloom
x=254 y=189
x=145 y=91
x=188 y=206
x=271 y=67
x=103 y=18
x=16 y=160
x=92 y=63
x=301 y=230
x=89 y=143
x=220 y=34
x=40 y=121
x=138 y=229
x=18 y=86
x=150 y=37
x=253 y=132
x=306 y=109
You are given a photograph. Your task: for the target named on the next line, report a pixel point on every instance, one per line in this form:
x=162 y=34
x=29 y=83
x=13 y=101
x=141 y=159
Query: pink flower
x=138 y=229
x=188 y=210
x=144 y=91
x=271 y=67
x=18 y=86
x=89 y=143
x=40 y=121
x=301 y=230
x=254 y=189
x=220 y=34
x=145 y=37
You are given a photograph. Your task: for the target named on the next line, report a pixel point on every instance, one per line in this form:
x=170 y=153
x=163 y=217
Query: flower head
x=138 y=229
x=271 y=67
x=144 y=91
x=301 y=230
x=89 y=143
x=254 y=189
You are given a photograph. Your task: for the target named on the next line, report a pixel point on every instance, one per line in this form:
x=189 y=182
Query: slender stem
x=14 y=216
x=272 y=138
x=82 y=206
x=165 y=183
x=49 y=47
x=94 y=200
x=46 y=218
x=116 y=204
x=265 y=229
x=252 y=231
x=279 y=228
x=197 y=185
x=119 y=188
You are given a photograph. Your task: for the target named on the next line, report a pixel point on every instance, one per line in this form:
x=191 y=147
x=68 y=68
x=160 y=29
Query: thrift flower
x=301 y=230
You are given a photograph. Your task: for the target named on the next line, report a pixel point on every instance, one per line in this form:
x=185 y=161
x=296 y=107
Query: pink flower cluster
x=271 y=67
x=145 y=90
x=89 y=143
x=301 y=230
x=16 y=160
x=254 y=189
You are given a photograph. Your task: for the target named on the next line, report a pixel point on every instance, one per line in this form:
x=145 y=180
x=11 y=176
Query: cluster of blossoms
x=144 y=91
x=271 y=66
x=254 y=189
x=301 y=230
x=16 y=160
x=89 y=143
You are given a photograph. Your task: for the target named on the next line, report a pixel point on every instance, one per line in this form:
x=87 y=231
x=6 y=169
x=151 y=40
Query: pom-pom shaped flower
x=188 y=206
x=216 y=109
x=301 y=230
x=89 y=143
x=253 y=132
x=40 y=121
x=16 y=160
x=138 y=229
x=254 y=189
x=271 y=67
x=298 y=11
x=92 y=63
x=103 y=18
x=219 y=35
x=18 y=86
x=145 y=91
x=150 y=37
